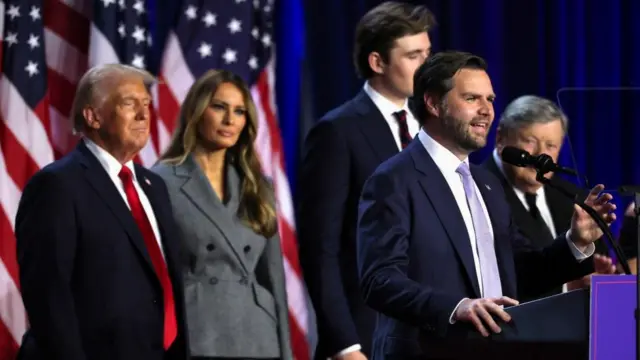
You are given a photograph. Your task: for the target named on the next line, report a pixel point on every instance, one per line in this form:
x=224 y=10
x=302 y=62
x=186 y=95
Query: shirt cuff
x=579 y=255
x=451 y=319
x=350 y=349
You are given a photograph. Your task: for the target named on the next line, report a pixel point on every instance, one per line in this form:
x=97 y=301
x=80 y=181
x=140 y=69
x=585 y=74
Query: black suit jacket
x=561 y=212
x=88 y=284
x=339 y=154
x=415 y=258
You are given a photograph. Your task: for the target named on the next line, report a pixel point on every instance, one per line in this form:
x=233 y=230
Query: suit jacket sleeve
x=323 y=191
x=541 y=270
x=46 y=233
x=384 y=235
x=273 y=260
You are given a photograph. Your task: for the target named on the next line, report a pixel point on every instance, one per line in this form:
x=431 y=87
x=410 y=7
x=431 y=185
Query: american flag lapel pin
x=147 y=181
x=488 y=187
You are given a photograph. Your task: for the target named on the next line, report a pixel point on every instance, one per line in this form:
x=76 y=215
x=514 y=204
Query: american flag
x=46 y=47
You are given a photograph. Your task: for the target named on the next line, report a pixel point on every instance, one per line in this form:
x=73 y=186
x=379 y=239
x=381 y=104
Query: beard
x=460 y=132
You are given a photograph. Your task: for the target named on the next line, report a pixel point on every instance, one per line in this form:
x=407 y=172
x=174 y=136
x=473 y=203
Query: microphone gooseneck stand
x=560 y=186
x=563 y=187
x=635 y=190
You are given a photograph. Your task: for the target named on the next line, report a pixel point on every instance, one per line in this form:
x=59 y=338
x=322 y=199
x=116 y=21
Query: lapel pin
x=488 y=187
x=147 y=181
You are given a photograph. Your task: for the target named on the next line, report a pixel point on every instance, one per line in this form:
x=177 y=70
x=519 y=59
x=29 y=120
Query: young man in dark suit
x=98 y=249
x=340 y=152
x=538 y=126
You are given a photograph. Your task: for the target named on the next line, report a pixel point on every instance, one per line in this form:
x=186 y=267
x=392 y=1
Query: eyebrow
x=491 y=96
x=226 y=103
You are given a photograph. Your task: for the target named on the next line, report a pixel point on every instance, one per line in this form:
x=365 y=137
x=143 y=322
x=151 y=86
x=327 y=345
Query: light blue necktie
x=484 y=241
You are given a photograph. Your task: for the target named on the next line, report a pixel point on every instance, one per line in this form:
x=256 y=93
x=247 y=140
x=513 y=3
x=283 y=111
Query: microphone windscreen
x=515 y=156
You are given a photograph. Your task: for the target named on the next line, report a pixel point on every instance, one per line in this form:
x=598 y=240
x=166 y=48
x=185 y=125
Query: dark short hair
x=435 y=76
x=379 y=28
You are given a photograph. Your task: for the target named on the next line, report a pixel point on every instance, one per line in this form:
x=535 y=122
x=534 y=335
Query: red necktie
x=170 y=324
x=405 y=137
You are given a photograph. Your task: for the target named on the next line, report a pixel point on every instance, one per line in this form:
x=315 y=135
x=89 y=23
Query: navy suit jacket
x=87 y=281
x=340 y=153
x=415 y=258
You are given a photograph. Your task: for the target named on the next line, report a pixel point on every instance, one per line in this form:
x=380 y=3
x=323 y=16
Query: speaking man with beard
x=436 y=243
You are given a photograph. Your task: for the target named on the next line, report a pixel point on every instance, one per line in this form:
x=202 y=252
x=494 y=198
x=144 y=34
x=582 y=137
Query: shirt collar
x=110 y=164
x=445 y=160
x=386 y=106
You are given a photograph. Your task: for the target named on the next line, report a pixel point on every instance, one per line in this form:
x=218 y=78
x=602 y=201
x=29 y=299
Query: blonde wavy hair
x=256 y=207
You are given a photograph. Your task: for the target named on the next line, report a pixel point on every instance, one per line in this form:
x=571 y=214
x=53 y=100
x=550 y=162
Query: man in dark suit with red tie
x=96 y=241
x=339 y=154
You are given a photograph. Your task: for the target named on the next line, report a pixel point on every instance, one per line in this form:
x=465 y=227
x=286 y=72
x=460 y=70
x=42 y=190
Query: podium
x=594 y=324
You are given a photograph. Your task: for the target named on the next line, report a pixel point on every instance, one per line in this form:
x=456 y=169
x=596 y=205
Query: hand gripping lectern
x=594 y=324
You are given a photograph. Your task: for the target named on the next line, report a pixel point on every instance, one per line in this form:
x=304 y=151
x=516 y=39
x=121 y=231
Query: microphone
x=543 y=162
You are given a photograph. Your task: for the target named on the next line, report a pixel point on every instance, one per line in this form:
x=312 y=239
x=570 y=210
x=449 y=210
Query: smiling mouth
x=480 y=125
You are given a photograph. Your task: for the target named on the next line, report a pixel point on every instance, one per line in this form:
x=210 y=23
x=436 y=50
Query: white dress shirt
x=447 y=162
x=112 y=166
x=387 y=108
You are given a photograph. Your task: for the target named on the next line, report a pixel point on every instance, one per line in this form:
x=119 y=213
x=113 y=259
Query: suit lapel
x=374 y=127
x=106 y=189
x=439 y=193
x=198 y=190
x=501 y=245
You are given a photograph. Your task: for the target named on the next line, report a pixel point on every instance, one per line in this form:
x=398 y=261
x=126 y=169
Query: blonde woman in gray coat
x=233 y=267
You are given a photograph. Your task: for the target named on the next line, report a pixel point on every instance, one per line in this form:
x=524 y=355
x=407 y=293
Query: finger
x=603 y=199
x=505 y=300
x=475 y=320
x=485 y=316
x=498 y=311
x=609 y=218
x=605 y=208
x=595 y=191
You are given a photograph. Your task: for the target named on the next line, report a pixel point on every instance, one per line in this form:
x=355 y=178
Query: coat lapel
x=106 y=189
x=374 y=127
x=439 y=193
x=199 y=191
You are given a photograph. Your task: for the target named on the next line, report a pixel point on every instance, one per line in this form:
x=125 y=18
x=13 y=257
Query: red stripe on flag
x=287 y=233
x=61 y=93
x=8 y=251
x=8 y=347
x=20 y=165
x=168 y=106
x=67 y=23
x=42 y=112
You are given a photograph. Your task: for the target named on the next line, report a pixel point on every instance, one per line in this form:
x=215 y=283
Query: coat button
x=244 y=280
x=210 y=247
x=247 y=248
x=213 y=280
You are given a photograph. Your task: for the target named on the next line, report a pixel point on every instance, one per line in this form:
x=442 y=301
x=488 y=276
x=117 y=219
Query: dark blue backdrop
x=532 y=47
